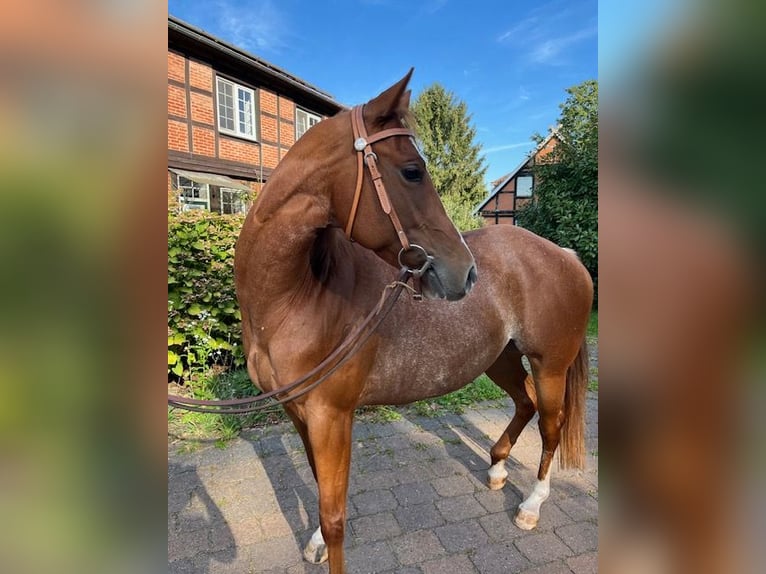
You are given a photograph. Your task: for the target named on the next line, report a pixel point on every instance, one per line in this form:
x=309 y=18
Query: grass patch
x=482 y=389
x=592 y=331
x=379 y=414
x=592 y=338
x=219 y=428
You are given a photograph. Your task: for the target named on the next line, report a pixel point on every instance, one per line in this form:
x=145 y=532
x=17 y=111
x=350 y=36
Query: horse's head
x=403 y=222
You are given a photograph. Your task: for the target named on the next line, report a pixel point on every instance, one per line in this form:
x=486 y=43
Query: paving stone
x=415 y=493
x=380 y=479
x=455 y=564
x=374 y=501
x=415 y=547
x=406 y=474
x=500 y=527
x=557 y=567
x=418 y=517
x=453 y=486
x=460 y=508
x=375 y=527
x=187 y=543
x=542 y=548
x=579 y=508
x=460 y=536
x=370 y=557
x=404 y=570
x=276 y=554
x=499 y=558
x=580 y=537
x=584 y=563
x=496 y=500
x=448 y=467
x=185 y=566
x=551 y=516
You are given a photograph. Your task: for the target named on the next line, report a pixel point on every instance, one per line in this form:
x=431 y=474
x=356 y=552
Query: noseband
x=365 y=156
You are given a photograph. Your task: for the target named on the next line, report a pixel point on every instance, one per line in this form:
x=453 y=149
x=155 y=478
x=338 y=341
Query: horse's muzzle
x=438 y=283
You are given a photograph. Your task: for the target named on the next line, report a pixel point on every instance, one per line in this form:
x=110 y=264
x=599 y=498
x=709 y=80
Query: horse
x=312 y=258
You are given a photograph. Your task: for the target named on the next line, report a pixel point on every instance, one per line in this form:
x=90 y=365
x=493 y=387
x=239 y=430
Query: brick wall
x=178 y=135
x=268 y=129
x=203 y=141
x=176 y=67
x=192 y=111
x=202 y=108
x=235 y=149
x=200 y=76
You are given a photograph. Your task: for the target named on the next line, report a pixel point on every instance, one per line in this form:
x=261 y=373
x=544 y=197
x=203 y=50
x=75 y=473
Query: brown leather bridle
x=365 y=156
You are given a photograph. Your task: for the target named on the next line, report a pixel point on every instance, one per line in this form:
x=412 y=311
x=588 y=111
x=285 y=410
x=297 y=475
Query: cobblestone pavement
x=417 y=501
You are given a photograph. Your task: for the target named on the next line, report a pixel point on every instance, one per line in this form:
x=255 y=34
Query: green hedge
x=204 y=329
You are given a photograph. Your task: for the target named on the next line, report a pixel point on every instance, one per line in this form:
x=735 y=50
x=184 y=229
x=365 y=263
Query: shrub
x=204 y=330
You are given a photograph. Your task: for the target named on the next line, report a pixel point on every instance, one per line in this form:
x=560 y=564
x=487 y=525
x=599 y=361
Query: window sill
x=238 y=136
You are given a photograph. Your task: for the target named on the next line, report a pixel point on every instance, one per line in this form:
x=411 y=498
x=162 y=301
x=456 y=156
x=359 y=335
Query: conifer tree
x=446 y=139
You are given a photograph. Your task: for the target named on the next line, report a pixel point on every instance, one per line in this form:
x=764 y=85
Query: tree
x=447 y=142
x=565 y=207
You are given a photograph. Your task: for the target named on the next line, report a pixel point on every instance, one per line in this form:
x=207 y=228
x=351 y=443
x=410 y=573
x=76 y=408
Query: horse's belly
x=420 y=369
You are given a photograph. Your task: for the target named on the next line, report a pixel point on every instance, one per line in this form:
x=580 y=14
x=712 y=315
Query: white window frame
x=311 y=120
x=233 y=193
x=528 y=191
x=187 y=203
x=239 y=115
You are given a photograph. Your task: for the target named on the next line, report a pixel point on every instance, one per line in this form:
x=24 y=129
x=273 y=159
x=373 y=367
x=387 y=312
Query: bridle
x=354 y=341
x=365 y=156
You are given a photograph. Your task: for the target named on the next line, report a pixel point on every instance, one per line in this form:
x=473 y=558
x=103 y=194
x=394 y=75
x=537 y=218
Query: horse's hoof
x=316 y=550
x=497 y=476
x=495 y=483
x=315 y=554
x=525 y=519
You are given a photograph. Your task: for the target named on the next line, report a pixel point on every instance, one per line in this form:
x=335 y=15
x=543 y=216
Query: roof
x=503 y=181
x=185 y=37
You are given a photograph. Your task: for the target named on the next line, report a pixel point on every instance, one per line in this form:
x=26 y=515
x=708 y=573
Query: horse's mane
x=327 y=249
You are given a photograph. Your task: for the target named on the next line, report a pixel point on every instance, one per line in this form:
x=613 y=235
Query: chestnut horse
x=303 y=284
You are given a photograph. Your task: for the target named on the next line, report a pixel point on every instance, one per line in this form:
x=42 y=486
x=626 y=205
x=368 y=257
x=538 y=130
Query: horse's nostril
x=472 y=276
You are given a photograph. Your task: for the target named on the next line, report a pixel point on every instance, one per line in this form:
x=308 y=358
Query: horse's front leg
x=329 y=433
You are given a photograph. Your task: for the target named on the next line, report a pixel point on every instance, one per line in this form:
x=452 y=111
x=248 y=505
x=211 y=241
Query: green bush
x=204 y=330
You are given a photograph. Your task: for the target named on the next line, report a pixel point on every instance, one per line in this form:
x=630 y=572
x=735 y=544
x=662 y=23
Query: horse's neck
x=281 y=242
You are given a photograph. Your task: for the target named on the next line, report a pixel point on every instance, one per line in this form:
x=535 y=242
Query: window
x=232 y=201
x=236 y=109
x=524 y=186
x=303 y=121
x=192 y=195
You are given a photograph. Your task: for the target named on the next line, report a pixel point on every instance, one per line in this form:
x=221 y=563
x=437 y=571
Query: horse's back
x=542 y=290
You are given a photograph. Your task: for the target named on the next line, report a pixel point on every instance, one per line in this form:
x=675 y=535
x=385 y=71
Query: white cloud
x=545 y=33
x=255 y=27
x=548 y=50
x=504 y=147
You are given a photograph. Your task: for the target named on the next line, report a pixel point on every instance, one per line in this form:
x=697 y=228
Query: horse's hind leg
x=550 y=390
x=509 y=374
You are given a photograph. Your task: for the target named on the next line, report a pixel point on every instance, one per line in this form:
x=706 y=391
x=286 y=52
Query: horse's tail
x=572 y=443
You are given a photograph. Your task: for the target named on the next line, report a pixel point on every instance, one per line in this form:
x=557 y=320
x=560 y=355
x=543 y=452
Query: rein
x=351 y=344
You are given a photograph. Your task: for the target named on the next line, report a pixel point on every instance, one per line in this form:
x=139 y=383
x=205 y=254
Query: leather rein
x=356 y=339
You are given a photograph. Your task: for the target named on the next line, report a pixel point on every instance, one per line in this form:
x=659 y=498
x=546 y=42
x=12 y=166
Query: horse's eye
x=413 y=174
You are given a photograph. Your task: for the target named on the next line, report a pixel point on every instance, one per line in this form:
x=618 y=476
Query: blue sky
x=509 y=61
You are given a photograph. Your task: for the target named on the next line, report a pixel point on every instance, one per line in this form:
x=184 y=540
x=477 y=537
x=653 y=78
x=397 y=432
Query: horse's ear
x=391 y=104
